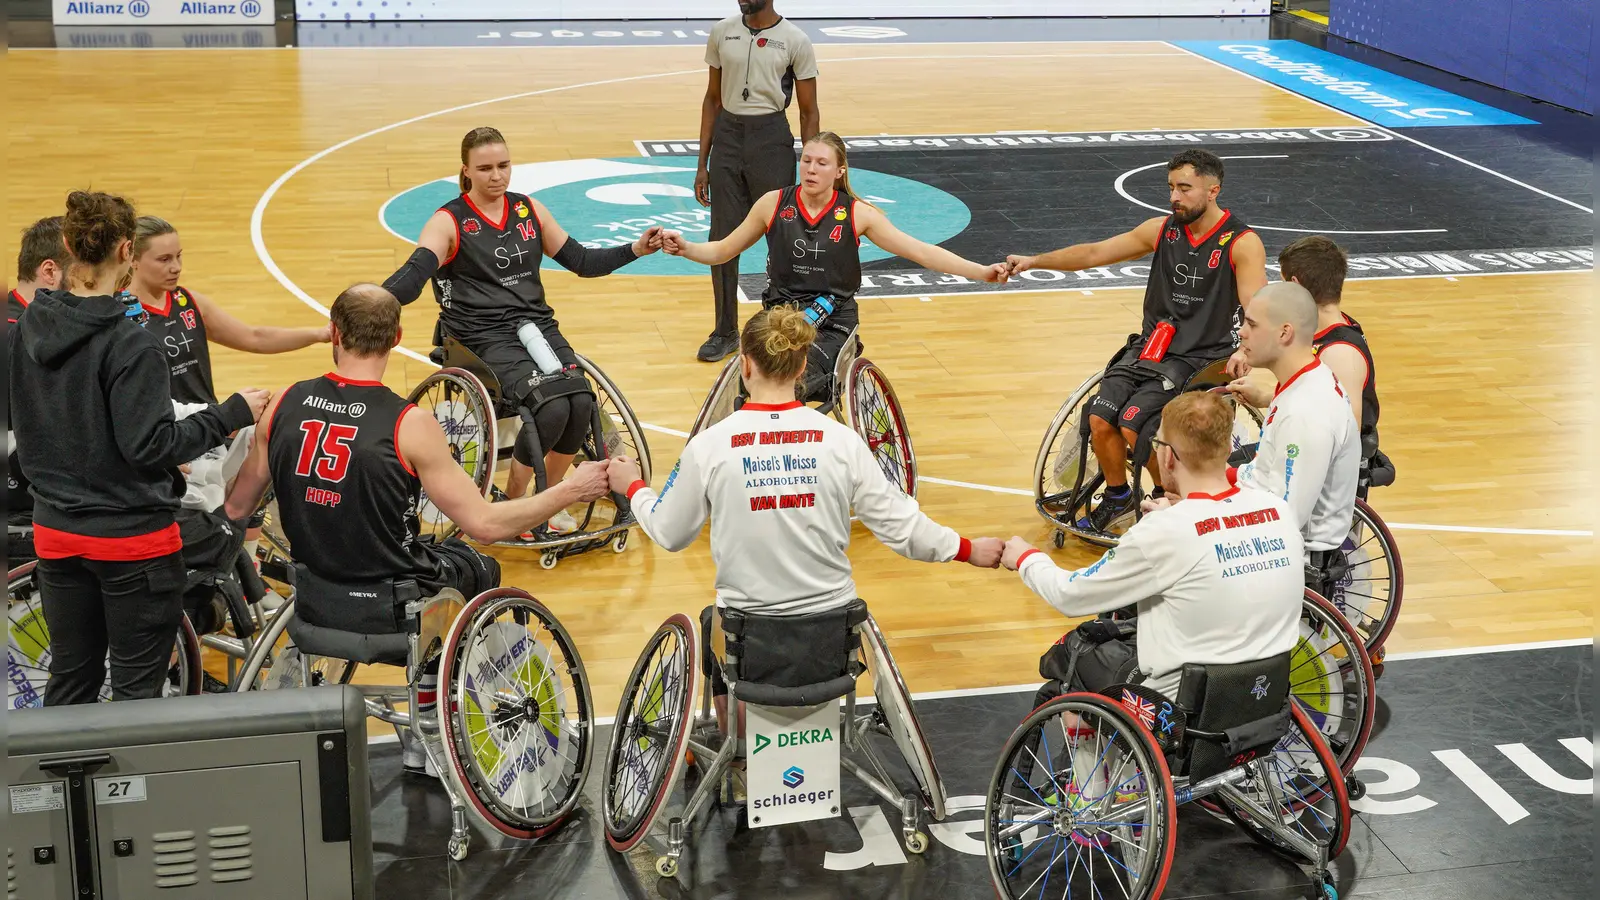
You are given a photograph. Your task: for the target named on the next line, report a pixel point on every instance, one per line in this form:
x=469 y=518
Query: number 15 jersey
x=346 y=497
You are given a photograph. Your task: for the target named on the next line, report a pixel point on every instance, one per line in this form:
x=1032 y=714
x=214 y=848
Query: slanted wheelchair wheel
x=1065 y=461
x=623 y=435
x=517 y=721
x=28 y=648
x=1330 y=674
x=651 y=733
x=1369 y=593
x=876 y=415
x=721 y=402
x=460 y=403
x=900 y=718
x=1081 y=804
x=1297 y=788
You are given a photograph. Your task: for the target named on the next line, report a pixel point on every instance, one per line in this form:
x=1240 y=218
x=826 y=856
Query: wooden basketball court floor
x=274 y=163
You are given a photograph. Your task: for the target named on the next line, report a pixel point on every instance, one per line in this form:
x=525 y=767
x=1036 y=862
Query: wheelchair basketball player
x=1207 y=266
x=813 y=232
x=482 y=252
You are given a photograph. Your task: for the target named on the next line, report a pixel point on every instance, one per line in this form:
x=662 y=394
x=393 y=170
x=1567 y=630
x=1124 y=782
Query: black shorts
x=1129 y=396
x=820 y=361
x=463 y=568
x=505 y=356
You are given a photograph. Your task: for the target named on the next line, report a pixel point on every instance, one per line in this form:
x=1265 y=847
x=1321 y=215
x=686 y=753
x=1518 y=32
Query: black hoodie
x=91 y=405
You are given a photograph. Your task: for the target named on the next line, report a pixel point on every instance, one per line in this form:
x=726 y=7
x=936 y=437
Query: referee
x=759 y=62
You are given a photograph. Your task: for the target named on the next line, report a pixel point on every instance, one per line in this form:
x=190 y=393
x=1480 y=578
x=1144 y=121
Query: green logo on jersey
x=1294 y=450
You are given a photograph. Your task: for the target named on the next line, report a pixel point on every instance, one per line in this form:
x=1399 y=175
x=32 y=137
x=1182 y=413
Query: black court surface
x=1480 y=787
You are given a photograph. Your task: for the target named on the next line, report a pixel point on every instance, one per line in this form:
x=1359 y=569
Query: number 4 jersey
x=346 y=497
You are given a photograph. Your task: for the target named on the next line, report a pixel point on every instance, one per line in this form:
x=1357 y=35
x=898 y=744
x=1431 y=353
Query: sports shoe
x=718 y=347
x=211 y=685
x=416 y=760
x=563 y=523
x=1109 y=511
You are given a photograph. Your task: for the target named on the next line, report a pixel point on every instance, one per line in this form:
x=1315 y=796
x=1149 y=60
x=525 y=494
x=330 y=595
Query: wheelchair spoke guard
x=651 y=733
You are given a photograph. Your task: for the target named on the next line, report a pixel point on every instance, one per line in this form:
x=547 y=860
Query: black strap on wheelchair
x=1094 y=633
x=793 y=660
x=538 y=389
x=1262 y=732
x=372 y=608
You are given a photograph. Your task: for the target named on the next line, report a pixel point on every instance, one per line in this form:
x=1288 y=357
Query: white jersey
x=210 y=473
x=1310 y=455
x=1218 y=579
x=778 y=483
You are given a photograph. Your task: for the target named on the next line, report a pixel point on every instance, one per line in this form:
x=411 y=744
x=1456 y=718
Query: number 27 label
x=119 y=789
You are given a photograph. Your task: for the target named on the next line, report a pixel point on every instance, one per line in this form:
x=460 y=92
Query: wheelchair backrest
x=793 y=660
x=1234 y=713
x=371 y=608
x=847 y=358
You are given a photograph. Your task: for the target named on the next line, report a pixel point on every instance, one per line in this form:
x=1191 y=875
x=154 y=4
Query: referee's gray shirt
x=766 y=64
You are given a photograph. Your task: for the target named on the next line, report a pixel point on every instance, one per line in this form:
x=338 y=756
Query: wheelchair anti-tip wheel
x=876 y=415
x=1331 y=675
x=516 y=717
x=1370 y=589
x=1081 y=804
x=460 y=403
x=28 y=648
x=1296 y=788
x=651 y=735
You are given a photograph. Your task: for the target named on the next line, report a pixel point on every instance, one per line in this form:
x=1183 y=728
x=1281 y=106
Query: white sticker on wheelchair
x=793 y=766
x=467 y=442
x=1246 y=430
x=514 y=712
x=27 y=656
x=1066 y=467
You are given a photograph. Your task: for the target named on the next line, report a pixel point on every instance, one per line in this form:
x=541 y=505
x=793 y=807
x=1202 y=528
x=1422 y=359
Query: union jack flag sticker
x=1143 y=709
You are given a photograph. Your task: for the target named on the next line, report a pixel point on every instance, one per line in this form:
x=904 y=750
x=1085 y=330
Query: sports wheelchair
x=481 y=424
x=1067 y=480
x=874 y=410
x=782 y=664
x=1093 y=780
x=516 y=735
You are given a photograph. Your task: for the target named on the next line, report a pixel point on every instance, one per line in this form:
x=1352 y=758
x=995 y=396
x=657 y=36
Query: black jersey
x=807 y=258
x=491 y=282
x=15 y=304
x=346 y=498
x=1349 y=332
x=181 y=330
x=1192 y=285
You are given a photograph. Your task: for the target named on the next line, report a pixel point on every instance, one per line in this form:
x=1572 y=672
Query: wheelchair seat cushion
x=1234 y=712
x=315 y=640
x=793 y=660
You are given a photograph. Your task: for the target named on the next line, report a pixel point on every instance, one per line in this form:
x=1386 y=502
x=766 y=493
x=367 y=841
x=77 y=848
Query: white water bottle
x=539 y=348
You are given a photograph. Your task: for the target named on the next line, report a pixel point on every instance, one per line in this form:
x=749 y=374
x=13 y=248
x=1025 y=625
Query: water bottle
x=820 y=309
x=133 y=309
x=543 y=355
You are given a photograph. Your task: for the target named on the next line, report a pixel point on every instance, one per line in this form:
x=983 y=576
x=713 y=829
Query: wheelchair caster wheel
x=1322 y=888
x=549 y=560
x=917 y=842
x=1354 y=787
x=1059 y=539
x=457 y=849
x=619 y=543
x=667 y=867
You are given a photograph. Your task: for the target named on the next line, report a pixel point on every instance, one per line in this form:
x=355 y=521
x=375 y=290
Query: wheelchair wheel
x=461 y=405
x=1065 y=456
x=1297 y=789
x=519 y=723
x=900 y=719
x=721 y=402
x=28 y=648
x=651 y=734
x=621 y=431
x=274 y=662
x=1331 y=675
x=272 y=526
x=1080 y=804
x=1369 y=592
x=877 y=416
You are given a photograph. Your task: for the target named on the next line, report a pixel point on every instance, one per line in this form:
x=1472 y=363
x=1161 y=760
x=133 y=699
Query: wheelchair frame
x=438 y=626
x=462 y=371
x=714 y=752
x=849 y=370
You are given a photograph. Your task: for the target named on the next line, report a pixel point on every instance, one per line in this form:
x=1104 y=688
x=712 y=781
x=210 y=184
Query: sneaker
x=718 y=347
x=563 y=523
x=271 y=601
x=416 y=760
x=1109 y=511
x=211 y=685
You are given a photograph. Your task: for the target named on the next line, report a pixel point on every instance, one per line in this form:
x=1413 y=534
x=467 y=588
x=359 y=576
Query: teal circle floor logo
x=610 y=202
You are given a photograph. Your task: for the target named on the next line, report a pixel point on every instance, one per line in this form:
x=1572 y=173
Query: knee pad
x=580 y=418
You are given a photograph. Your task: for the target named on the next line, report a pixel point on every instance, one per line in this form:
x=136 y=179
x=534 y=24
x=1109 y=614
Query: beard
x=1186 y=216
x=751 y=7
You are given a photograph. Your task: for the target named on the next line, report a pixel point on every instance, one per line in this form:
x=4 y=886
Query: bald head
x=367 y=320
x=1286 y=303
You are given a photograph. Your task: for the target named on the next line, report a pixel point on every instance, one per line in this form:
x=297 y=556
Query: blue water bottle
x=133 y=309
x=820 y=309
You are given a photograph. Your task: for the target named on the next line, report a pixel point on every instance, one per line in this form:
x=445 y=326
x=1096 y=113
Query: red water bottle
x=1155 y=347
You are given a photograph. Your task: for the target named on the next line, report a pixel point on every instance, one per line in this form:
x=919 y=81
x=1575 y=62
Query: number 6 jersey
x=346 y=498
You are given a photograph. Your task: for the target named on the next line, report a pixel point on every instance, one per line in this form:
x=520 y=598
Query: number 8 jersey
x=346 y=497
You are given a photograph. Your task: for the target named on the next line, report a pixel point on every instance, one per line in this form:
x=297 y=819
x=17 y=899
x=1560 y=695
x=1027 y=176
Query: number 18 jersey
x=346 y=497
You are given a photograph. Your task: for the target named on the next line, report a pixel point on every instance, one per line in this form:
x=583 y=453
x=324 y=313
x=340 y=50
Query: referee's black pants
x=131 y=609
x=750 y=155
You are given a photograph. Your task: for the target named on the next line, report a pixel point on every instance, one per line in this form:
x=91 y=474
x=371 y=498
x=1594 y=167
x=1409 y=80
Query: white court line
x=259 y=243
x=1399 y=133
x=1473 y=529
x=1034 y=686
